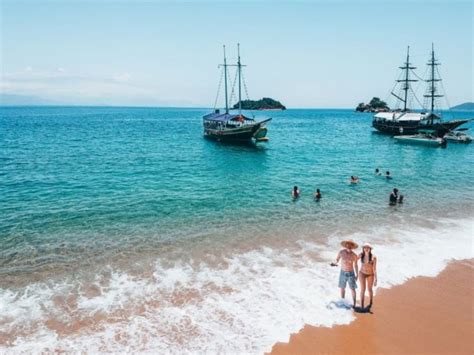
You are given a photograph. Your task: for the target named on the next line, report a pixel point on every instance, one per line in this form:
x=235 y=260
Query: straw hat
x=349 y=244
x=367 y=245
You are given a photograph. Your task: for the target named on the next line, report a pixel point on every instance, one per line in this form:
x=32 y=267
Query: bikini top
x=368 y=262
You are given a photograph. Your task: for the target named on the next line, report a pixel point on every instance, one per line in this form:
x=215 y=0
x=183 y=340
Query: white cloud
x=61 y=85
x=122 y=78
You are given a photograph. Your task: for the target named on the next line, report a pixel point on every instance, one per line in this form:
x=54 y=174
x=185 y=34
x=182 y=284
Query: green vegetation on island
x=375 y=105
x=264 y=104
x=467 y=106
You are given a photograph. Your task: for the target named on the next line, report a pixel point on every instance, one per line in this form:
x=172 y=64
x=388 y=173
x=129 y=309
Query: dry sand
x=423 y=316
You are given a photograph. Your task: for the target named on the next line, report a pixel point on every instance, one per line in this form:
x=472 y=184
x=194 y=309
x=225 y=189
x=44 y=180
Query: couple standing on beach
x=350 y=273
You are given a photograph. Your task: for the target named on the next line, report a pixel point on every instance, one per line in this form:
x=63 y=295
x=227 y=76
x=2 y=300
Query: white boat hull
x=415 y=139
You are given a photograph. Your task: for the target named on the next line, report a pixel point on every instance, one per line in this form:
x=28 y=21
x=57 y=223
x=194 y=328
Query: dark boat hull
x=235 y=135
x=242 y=134
x=398 y=128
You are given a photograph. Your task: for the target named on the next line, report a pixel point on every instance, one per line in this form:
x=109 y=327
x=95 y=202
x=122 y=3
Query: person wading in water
x=317 y=195
x=393 y=197
x=295 y=193
x=348 y=265
x=367 y=273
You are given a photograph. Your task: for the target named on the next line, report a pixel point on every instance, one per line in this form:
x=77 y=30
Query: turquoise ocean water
x=126 y=223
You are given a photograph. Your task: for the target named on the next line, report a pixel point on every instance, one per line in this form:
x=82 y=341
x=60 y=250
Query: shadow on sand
x=366 y=309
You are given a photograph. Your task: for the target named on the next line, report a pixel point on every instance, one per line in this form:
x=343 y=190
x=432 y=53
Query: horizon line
x=195 y=107
x=154 y=106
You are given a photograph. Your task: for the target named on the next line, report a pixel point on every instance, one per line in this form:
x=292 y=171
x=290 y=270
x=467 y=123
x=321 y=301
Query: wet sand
x=423 y=316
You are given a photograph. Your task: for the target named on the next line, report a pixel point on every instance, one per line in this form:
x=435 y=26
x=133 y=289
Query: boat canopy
x=401 y=116
x=225 y=117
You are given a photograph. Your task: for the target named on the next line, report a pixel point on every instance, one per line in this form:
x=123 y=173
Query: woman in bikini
x=367 y=273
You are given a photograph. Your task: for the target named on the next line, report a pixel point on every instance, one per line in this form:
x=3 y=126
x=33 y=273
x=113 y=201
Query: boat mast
x=406 y=80
x=432 y=80
x=240 y=86
x=225 y=78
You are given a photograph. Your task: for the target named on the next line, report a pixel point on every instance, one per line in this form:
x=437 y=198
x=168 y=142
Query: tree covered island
x=264 y=104
x=375 y=105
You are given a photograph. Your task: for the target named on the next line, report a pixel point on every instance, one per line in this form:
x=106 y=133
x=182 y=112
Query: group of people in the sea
x=393 y=199
x=387 y=174
x=295 y=194
x=350 y=272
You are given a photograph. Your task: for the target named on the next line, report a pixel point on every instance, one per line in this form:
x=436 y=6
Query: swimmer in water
x=317 y=195
x=387 y=175
x=377 y=172
x=354 y=180
x=295 y=193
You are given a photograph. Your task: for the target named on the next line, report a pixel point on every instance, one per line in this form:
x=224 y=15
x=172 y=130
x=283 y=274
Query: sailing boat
x=406 y=122
x=228 y=127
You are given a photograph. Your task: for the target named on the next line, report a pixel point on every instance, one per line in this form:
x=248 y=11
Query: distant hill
x=467 y=106
x=264 y=104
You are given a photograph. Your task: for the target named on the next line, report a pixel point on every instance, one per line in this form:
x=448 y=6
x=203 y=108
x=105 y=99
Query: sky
x=306 y=54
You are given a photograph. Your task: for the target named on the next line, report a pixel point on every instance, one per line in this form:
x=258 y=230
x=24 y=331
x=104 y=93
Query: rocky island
x=375 y=105
x=265 y=103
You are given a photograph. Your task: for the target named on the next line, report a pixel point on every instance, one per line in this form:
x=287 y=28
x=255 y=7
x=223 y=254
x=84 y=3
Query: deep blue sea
x=123 y=228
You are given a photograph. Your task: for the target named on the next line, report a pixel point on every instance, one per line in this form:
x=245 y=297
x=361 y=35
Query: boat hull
x=255 y=131
x=411 y=127
x=242 y=134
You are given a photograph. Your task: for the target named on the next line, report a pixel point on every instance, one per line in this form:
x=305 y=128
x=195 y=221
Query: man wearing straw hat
x=348 y=265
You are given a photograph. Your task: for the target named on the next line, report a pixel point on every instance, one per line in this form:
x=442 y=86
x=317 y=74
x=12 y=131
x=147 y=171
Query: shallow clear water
x=135 y=196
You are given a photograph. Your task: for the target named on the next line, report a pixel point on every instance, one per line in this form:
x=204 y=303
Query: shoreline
x=423 y=315
x=99 y=304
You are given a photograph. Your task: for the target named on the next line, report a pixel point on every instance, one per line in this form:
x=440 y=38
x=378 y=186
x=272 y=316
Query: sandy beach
x=423 y=316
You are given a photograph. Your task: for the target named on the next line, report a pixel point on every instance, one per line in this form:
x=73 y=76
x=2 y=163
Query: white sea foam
x=258 y=298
